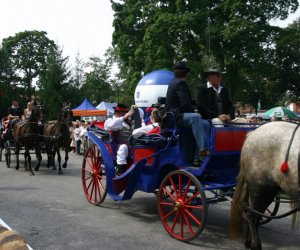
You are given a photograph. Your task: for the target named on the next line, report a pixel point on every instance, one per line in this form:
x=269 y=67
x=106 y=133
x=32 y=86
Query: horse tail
x=296 y=216
x=237 y=206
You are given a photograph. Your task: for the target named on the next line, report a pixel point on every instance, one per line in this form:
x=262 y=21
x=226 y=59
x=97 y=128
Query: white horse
x=269 y=164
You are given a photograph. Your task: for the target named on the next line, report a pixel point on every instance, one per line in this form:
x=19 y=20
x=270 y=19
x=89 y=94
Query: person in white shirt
x=154 y=126
x=120 y=123
x=77 y=136
x=214 y=102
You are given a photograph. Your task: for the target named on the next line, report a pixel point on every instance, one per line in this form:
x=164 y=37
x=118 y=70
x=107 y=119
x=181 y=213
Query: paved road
x=52 y=213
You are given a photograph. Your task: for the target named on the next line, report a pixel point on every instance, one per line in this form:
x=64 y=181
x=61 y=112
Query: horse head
x=37 y=114
x=66 y=115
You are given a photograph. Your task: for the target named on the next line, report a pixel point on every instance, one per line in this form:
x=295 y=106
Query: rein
x=253 y=211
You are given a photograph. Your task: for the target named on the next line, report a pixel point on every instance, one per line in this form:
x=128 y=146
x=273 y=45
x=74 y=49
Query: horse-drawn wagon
x=158 y=164
x=35 y=134
x=23 y=136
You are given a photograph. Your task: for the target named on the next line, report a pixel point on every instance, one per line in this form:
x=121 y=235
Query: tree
x=27 y=54
x=287 y=60
x=54 y=84
x=78 y=72
x=97 y=81
x=151 y=34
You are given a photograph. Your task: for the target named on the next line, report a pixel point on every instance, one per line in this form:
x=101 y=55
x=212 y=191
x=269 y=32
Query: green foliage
x=54 y=84
x=97 y=86
x=288 y=62
x=235 y=34
x=26 y=55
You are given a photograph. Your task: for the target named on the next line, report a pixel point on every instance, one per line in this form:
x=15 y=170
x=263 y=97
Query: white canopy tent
x=109 y=107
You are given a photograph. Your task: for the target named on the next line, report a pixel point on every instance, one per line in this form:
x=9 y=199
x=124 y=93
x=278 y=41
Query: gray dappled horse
x=56 y=136
x=269 y=164
x=27 y=134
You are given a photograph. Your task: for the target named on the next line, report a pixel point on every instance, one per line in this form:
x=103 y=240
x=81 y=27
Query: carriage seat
x=146 y=145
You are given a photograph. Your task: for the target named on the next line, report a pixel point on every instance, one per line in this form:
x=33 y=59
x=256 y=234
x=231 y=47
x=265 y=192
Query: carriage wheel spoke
x=87 y=178
x=193 y=217
x=90 y=164
x=88 y=187
x=174 y=187
x=192 y=197
x=180 y=183
x=168 y=214
x=194 y=207
x=173 y=198
x=166 y=203
x=101 y=184
x=186 y=189
x=269 y=211
x=93 y=187
x=175 y=221
x=181 y=225
x=188 y=224
x=96 y=189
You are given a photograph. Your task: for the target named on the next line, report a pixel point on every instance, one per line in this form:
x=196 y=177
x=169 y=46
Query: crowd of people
x=78 y=137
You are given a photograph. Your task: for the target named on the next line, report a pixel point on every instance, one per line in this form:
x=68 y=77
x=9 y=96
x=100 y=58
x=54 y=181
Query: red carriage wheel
x=93 y=176
x=182 y=205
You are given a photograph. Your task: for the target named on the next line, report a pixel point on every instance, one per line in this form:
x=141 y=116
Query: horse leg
x=59 y=162
x=49 y=156
x=53 y=158
x=25 y=159
x=17 y=151
x=66 y=156
x=260 y=197
x=38 y=156
x=29 y=162
x=246 y=230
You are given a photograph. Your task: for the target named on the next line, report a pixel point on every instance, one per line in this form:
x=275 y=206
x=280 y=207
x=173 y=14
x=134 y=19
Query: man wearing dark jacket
x=179 y=101
x=213 y=100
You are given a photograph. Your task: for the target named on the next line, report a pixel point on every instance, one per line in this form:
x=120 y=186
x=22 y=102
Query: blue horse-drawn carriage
x=160 y=164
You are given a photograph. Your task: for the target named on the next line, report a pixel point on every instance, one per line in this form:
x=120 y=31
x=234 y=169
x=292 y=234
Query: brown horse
x=269 y=164
x=26 y=134
x=57 y=135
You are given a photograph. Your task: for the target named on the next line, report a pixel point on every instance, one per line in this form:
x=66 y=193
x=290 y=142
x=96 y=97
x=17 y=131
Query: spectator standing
x=77 y=137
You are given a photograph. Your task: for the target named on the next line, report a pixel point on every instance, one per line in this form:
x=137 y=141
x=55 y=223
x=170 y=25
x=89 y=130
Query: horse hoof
x=247 y=244
x=60 y=172
x=17 y=167
x=36 y=168
x=64 y=165
x=32 y=173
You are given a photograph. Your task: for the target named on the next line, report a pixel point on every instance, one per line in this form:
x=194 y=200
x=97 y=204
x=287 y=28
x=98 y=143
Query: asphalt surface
x=51 y=212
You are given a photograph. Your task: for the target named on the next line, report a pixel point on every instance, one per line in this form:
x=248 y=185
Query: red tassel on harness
x=284 y=167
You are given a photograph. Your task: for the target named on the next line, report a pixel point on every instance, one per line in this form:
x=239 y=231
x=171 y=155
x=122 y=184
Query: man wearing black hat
x=179 y=101
x=213 y=100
